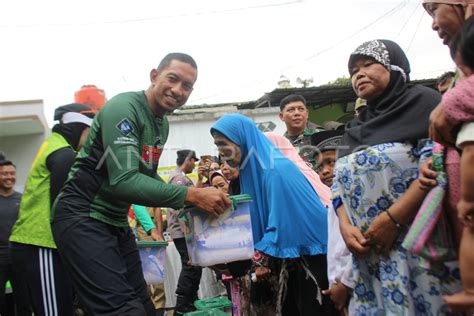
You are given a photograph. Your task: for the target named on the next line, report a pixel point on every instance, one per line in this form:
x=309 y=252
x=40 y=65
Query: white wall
x=192 y=131
x=24 y=128
x=21 y=150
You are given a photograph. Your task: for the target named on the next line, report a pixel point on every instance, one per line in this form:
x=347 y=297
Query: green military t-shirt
x=117 y=165
x=302 y=143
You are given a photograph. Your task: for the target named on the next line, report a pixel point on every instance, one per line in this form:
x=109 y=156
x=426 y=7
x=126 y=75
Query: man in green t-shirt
x=294 y=113
x=117 y=167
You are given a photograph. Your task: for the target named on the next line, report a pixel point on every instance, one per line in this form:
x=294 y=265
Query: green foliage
x=339 y=82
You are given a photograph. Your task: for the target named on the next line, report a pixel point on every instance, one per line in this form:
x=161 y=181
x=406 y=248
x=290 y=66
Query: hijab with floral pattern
x=400 y=113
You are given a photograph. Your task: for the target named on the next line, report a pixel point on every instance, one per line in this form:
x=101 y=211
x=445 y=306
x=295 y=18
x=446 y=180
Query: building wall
x=21 y=150
x=23 y=129
x=192 y=131
x=332 y=112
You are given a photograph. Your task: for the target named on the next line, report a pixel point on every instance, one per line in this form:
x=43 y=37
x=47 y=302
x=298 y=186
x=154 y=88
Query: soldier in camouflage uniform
x=294 y=112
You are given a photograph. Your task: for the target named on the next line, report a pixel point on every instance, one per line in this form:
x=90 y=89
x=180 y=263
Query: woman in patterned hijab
x=376 y=192
x=394 y=109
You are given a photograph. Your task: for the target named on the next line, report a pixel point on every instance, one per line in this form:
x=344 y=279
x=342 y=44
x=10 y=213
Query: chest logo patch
x=125 y=127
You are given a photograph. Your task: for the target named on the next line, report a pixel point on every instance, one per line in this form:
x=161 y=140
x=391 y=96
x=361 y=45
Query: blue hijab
x=288 y=219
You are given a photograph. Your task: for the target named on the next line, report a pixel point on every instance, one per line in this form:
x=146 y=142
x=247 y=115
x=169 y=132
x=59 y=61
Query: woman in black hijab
x=376 y=190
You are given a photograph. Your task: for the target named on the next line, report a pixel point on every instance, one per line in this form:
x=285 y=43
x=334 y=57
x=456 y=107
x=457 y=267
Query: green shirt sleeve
x=143 y=217
x=123 y=129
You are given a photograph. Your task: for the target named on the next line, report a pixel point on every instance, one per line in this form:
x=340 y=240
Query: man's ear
x=153 y=75
x=280 y=115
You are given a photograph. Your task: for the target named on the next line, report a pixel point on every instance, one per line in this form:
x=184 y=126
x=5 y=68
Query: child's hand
x=427 y=176
x=339 y=294
x=355 y=241
x=466 y=212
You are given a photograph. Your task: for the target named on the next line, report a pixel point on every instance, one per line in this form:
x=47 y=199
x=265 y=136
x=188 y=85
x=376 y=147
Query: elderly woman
x=376 y=191
x=289 y=223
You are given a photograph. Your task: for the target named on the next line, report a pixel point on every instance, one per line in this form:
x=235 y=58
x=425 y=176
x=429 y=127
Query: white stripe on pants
x=47 y=282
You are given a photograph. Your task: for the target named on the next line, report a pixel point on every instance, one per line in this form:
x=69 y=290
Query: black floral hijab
x=400 y=113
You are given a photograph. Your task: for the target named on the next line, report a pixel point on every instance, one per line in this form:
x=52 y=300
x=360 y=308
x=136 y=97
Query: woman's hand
x=427 y=176
x=382 y=233
x=355 y=241
x=440 y=129
x=339 y=294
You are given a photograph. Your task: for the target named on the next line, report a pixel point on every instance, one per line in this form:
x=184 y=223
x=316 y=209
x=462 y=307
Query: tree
x=339 y=82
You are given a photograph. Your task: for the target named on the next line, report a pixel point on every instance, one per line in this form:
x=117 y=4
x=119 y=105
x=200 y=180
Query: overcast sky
x=51 y=48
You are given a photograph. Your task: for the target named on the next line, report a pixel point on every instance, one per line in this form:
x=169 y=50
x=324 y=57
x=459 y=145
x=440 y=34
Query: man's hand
x=440 y=129
x=339 y=294
x=382 y=233
x=200 y=172
x=427 y=176
x=156 y=235
x=355 y=241
x=209 y=200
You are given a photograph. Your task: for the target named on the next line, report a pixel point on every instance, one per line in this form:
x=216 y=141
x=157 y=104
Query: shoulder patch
x=125 y=127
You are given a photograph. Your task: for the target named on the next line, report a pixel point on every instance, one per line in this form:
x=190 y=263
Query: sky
x=51 y=48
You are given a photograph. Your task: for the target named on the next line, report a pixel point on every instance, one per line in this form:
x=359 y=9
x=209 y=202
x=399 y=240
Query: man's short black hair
x=165 y=62
x=183 y=155
x=6 y=163
x=292 y=98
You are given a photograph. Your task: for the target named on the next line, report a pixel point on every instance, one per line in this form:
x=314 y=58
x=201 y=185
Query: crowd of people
x=376 y=218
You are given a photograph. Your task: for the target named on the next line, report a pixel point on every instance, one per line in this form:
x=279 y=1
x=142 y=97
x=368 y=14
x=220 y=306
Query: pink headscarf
x=468 y=5
x=290 y=152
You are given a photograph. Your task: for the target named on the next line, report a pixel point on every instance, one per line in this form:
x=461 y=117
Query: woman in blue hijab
x=289 y=222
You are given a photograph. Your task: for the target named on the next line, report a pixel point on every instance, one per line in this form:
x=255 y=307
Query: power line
x=416 y=31
x=385 y=15
x=148 y=19
x=409 y=18
x=399 y=6
x=433 y=71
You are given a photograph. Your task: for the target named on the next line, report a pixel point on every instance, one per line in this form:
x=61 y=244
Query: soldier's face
x=295 y=115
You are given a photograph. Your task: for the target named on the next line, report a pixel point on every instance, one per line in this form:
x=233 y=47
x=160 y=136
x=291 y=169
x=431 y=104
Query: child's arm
x=465 y=141
x=143 y=217
x=458 y=105
x=158 y=217
x=355 y=241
